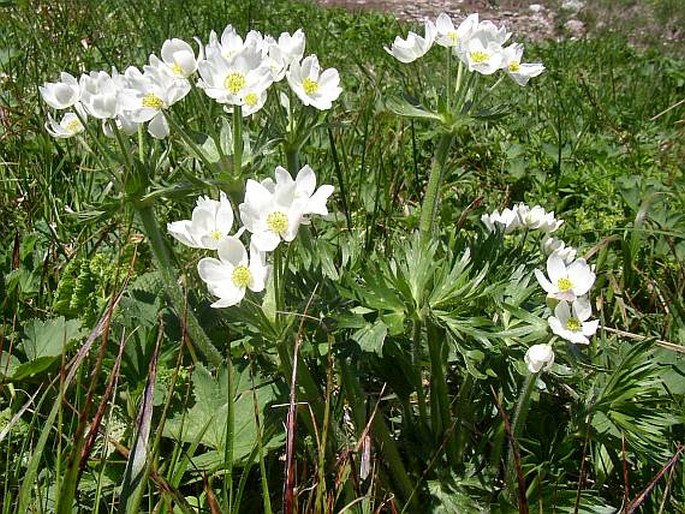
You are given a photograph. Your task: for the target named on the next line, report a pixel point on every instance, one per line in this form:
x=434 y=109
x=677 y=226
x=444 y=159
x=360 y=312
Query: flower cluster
x=521 y=216
x=479 y=45
x=272 y=211
x=231 y=70
x=567 y=283
x=567 y=287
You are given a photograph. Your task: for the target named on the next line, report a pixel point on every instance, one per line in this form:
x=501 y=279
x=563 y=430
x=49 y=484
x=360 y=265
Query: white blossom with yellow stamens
x=520 y=73
x=69 y=126
x=566 y=282
x=147 y=94
x=572 y=323
x=229 y=276
x=273 y=211
x=211 y=221
x=313 y=86
x=232 y=71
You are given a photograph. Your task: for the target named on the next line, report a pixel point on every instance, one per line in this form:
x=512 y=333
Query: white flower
x=147 y=94
x=537 y=218
x=552 y=245
x=210 y=222
x=124 y=124
x=62 y=94
x=573 y=326
x=482 y=56
x=482 y=51
x=520 y=73
x=414 y=46
x=539 y=357
x=229 y=276
x=233 y=69
x=178 y=58
x=508 y=220
x=451 y=37
x=99 y=93
x=282 y=53
x=67 y=127
x=273 y=211
x=566 y=283
x=313 y=86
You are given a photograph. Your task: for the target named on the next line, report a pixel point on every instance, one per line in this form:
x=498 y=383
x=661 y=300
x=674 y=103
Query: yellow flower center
x=235 y=81
x=216 y=235
x=277 y=222
x=152 y=101
x=251 y=99
x=564 y=284
x=241 y=276
x=479 y=56
x=453 y=37
x=514 y=67
x=74 y=126
x=574 y=325
x=176 y=68
x=310 y=86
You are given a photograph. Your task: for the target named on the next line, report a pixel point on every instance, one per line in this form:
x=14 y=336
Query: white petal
x=582 y=309
x=306 y=180
x=158 y=127
x=317 y=203
x=590 y=327
x=232 y=251
x=266 y=241
x=544 y=283
x=213 y=271
x=556 y=268
x=180 y=230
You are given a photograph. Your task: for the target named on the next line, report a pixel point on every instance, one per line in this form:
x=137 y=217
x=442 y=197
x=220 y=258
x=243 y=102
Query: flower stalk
x=430 y=203
x=167 y=270
x=237 y=141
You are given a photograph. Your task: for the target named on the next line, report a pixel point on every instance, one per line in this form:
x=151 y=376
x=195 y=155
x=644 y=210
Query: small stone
x=536 y=8
x=572 y=5
x=575 y=27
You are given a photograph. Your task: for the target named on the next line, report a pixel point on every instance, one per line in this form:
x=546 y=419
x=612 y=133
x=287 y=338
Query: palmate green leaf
x=371 y=337
x=451 y=499
x=43 y=344
x=206 y=419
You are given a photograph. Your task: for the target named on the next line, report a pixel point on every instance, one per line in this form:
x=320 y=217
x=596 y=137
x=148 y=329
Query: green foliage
x=205 y=421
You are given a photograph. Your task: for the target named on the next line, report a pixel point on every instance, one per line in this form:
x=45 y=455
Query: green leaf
x=403 y=108
x=372 y=337
x=206 y=419
x=43 y=343
x=49 y=338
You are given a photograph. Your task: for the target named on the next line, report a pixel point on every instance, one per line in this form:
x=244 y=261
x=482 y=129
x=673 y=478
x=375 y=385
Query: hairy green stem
x=431 y=200
x=228 y=449
x=421 y=395
x=448 y=89
x=166 y=267
x=440 y=404
x=516 y=426
x=237 y=141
